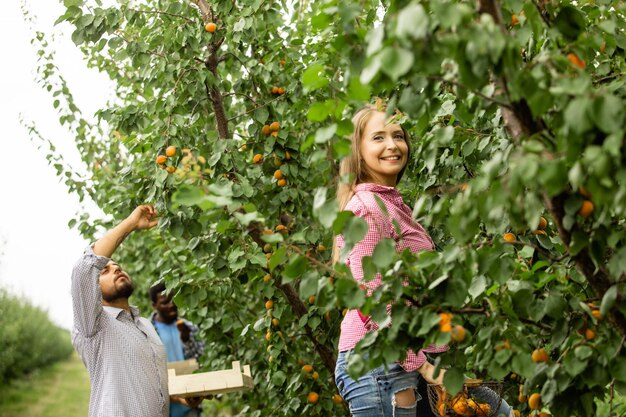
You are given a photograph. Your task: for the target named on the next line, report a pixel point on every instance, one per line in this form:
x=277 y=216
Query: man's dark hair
x=155 y=290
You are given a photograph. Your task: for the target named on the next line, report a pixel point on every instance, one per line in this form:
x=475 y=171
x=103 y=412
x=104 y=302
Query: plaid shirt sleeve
x=86 y=294
x=194 y=347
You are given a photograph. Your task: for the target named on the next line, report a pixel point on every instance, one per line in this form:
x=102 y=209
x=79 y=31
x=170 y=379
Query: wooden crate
x=209 y=383
x=185 y=367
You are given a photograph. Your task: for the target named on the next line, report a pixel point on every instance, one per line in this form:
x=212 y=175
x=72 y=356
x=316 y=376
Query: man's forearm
x=108 y=243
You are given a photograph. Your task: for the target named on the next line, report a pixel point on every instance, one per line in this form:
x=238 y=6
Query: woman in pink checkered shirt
x=380 y=152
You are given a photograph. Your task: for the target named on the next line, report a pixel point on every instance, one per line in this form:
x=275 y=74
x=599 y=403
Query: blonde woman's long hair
x=352 y=170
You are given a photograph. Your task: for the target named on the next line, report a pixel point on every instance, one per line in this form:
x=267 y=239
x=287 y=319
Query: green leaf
x=70 y=3
x=324 y=134
x=570 y=22
x=608 y=300
x=188 y=195
x=349 y=294
x=576 y=115
x=384 y=253
x=277 y=257
x=314 y=77
x=318 y=112
x=412 y=22
x=295 y=268
x=607 y=113
x=359 y=91
x=453 y=380
x=278 y=378
x=395 y=61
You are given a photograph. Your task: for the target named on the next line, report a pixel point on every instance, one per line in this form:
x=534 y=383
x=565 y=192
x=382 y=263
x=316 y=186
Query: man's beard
x=121 y=293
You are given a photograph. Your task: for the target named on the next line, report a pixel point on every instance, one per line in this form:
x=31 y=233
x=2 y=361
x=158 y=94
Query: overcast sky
x=37 y=249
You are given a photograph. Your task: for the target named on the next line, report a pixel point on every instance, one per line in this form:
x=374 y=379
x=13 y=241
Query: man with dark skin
x=177 y=334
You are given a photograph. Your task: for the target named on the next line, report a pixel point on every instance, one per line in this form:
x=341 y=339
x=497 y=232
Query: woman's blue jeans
x=373 y=394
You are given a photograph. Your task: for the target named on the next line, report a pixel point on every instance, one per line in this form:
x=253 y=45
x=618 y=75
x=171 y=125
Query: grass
x=59 y=390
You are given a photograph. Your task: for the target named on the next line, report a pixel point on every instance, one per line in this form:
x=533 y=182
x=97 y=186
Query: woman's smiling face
x=383 y=149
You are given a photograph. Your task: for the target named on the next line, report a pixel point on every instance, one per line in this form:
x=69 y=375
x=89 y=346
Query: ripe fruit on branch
x=534 y=401
x=590 y=334
x=266 y=130
x=445 y=322
x=458 y=333
x=596 y=313
x=269 y=304
x=274 y=126
x=540 y=355
x=307 y=368
x=170 y=170
x=210 y=27
x=170 y=150
x=543 y=223
x=267 y=278
x=257 y=159
x=586 y=209
x=313 y=397
x=281 y=182
x=337 y=399
x=509 y=237
x=312 y=299
x=573 y=58
x=161 y=159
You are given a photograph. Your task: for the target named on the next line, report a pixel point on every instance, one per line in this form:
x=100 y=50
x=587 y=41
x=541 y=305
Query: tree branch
x=154 y=11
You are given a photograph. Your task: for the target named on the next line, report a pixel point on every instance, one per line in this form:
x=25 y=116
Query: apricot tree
x=516 y=112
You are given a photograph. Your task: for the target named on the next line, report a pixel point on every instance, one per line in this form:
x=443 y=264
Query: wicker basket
x=476 y=399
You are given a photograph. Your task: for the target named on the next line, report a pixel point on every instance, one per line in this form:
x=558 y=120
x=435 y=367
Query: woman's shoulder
x=365 y=202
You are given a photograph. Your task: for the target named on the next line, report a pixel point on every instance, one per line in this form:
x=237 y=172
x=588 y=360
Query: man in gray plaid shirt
x=121 y=350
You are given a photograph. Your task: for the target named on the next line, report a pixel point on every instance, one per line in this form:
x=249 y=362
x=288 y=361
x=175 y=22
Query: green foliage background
x=28 y=339
x=509 y=118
